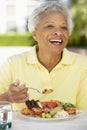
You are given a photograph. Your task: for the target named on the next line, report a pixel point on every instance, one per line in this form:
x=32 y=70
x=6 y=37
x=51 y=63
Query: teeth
x=56 y=41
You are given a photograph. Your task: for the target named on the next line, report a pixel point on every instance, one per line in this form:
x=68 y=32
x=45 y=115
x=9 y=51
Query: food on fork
x=47 y=91
x=48 y=109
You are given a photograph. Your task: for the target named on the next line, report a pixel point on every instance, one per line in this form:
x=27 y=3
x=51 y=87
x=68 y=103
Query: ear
x=34 y=35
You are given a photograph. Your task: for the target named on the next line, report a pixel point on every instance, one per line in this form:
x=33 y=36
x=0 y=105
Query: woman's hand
x=17 y=93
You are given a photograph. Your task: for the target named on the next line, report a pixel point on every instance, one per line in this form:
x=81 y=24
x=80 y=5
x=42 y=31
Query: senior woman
x=48 y=65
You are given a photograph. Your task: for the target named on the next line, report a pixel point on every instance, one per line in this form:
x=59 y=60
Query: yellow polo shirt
x=68 y=79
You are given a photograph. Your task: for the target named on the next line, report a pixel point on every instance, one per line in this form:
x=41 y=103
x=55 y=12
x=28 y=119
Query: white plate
x=52 y=119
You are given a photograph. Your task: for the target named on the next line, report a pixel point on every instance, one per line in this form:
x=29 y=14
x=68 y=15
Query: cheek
x=42 y=36
x=66 y=35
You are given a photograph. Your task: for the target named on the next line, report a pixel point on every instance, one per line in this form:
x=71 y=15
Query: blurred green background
x=77 y=38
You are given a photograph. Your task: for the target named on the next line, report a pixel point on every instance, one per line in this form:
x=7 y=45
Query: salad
x=48 y=109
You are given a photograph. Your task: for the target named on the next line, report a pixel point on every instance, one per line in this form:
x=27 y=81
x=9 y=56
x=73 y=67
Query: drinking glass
x=5 y=115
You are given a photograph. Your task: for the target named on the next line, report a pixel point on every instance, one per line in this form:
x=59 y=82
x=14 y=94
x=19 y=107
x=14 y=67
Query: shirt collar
x=67 y=57
x=31 y=56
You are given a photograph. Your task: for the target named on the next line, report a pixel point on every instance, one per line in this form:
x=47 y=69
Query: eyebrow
x=46 y=23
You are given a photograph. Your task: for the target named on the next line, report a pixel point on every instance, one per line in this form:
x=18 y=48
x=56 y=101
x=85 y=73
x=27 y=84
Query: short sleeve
x=82 y=93
x=5 y=76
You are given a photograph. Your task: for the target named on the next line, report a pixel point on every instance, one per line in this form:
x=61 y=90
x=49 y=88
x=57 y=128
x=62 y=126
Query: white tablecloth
x=21 y=123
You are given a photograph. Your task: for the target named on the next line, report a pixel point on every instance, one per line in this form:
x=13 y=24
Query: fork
x=14 y=85
x=35 y=90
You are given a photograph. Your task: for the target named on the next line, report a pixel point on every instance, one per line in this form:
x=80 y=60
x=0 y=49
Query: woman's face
x=52 y=32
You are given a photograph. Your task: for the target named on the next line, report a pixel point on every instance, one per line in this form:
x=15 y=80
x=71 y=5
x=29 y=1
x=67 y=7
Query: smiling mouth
x=56 y=41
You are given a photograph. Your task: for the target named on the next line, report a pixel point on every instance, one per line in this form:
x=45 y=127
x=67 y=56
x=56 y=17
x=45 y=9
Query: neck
x=48 y=60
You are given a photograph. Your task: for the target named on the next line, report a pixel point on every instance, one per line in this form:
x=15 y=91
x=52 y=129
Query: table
x=21 y=123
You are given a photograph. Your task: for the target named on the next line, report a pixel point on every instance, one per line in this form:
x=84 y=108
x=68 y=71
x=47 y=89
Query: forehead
x=52 y=16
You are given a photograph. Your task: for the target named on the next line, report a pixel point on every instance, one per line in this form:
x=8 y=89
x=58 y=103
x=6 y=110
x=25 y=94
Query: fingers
x=20 y=99
x=16 y=83
x=17 y=89
x=18 y=93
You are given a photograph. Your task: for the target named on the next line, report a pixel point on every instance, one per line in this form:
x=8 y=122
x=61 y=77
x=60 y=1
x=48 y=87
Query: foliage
x=16 y=39
x=79 y=34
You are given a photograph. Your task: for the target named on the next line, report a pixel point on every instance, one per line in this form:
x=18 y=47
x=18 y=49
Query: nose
x=58 y=32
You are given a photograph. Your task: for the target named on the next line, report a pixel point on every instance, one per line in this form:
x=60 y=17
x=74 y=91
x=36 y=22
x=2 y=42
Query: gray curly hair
x=45 y=7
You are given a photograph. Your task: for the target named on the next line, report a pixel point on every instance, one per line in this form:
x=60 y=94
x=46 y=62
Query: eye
x=49 y=26
x=63 y=27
